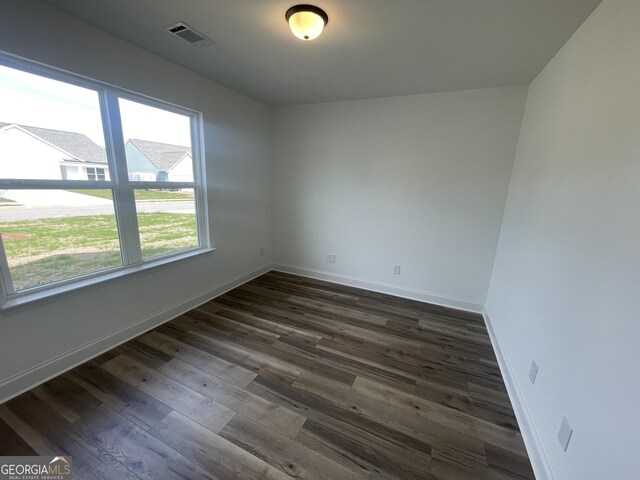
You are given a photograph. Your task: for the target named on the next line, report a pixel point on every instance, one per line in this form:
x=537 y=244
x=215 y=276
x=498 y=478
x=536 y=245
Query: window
x=95 y=182
x=96 y=174
x=169 y=160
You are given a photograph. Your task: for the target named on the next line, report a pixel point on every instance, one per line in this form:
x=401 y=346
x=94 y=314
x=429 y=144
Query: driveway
x=11 y=213
x=53 y=198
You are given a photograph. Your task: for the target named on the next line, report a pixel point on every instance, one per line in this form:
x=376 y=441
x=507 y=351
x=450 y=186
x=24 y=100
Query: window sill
x=55 y=292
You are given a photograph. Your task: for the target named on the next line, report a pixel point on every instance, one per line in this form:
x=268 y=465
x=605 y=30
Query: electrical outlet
x=262 y=252
x=533 y=372
x=331 y=258
x=564 y=435
x=396 y=269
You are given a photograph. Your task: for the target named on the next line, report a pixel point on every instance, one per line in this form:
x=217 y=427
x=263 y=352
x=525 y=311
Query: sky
x=28 y=99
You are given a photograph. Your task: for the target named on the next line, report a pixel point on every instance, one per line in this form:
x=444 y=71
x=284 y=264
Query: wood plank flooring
x=284 y=377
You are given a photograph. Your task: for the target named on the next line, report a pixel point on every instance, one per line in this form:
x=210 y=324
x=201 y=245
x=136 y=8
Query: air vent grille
x=189 y=34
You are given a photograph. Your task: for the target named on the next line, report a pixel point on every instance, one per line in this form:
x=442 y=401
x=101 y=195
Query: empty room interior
x=353 y=239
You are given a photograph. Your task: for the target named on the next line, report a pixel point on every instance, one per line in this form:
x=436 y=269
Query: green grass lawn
x=48 y=250
x=140 y=194
x=6 y=200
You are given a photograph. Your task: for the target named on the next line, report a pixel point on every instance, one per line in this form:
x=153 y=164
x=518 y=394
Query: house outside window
x=80 y=196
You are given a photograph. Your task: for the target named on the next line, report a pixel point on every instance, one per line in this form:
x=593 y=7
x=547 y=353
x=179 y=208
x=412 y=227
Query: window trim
x=123 y=189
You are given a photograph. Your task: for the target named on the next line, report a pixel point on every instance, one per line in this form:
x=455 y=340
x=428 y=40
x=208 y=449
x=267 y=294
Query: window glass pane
x=157 y=143
x=166 y=220
x=96 y=174
x=53 y=235
x=49 y=130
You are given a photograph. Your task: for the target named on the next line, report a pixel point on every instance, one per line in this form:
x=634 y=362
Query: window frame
x=123 y=190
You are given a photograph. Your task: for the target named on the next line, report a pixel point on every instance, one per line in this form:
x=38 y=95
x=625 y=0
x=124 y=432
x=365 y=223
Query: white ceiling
x=370 y=48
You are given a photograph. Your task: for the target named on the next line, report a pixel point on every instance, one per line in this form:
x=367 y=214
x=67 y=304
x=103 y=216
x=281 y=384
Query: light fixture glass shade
x=306 y=21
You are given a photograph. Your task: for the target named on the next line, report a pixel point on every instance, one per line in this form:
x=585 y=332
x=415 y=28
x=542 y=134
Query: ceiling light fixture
x=306 y=21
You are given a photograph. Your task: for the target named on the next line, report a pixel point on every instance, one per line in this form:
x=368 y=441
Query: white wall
x=183 y=170
x=416 y=180
x=237 y=135
x=566 y=284
x=22 y=155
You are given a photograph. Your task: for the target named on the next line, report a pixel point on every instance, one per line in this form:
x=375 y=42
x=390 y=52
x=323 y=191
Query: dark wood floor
x=284 y=378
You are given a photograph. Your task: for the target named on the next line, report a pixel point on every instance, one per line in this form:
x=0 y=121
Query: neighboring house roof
x=77 y=144
x=163 y=155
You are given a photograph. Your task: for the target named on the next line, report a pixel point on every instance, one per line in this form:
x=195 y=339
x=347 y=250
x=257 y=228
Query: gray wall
x=39 y=341
x=416 y=180
x=566 y=285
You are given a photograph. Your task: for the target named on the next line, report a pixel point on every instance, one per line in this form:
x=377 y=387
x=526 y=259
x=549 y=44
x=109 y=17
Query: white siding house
x=24 y=156
x=182 y=171
x=44 y=154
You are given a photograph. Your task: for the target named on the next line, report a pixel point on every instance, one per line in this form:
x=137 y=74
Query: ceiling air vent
x=189 y=34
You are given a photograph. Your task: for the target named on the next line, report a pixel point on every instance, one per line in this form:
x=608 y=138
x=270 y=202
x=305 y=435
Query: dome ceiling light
x=306 y=21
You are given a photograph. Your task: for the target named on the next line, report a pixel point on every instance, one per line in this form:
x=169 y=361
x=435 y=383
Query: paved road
x=14 y=213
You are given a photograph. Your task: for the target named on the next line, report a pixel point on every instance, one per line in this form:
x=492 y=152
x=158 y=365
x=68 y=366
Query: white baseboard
x=388 y=288
x=28 y=379
x=537 y=455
